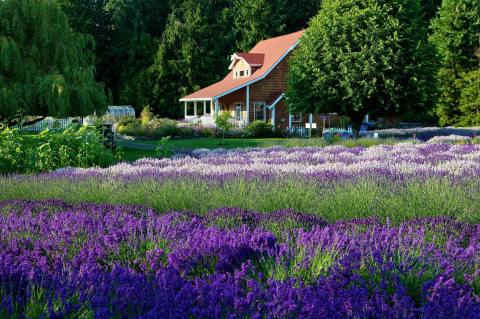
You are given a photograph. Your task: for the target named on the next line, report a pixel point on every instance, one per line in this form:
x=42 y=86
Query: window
x=241 y=73
x=296 y=118
x=259 y=111
x=238 y=111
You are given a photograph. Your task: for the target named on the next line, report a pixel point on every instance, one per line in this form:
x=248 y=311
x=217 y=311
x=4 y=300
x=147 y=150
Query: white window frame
x=246 y=73
x=264 y=105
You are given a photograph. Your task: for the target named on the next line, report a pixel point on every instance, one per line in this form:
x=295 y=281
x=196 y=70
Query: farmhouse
x=254 y=89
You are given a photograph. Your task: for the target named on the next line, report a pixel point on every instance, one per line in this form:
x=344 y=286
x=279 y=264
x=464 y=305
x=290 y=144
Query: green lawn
x=212 y=143
x=229 y=143
x=131 y=155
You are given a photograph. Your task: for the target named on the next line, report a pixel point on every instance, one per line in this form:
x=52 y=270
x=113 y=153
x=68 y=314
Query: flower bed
x=328 y=163
x=59 y=260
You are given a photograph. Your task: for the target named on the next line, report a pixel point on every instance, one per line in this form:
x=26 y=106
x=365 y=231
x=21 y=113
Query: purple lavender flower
x=131 y=262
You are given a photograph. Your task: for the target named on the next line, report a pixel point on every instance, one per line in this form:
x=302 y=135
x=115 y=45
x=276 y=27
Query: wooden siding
x=267 y=90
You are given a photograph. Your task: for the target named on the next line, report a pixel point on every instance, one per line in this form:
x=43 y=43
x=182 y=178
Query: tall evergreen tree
x=457 y=38
x=362 y=57
x=469 y=103
x=193 y=53
x=45 y=68
x=297 y=13
x=430 y=9
x=256 y=20
x=137 y=27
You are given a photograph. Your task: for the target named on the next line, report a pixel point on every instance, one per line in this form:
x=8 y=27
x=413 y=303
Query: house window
x=238 y=111
x=259 y=111
x=297 y=118
x=241 y=73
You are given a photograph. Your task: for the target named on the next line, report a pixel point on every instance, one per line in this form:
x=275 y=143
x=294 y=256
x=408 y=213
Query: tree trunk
x=357 y=122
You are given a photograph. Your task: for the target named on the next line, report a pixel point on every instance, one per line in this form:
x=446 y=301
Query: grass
x=229 y=143
x=131 y=154
x=138 y=149
x=398 y=201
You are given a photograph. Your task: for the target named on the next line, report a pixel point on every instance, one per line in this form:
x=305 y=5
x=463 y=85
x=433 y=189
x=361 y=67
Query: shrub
x=259 y=129
x=76 y=146
x=11 y=150
x=451 y=139
x=146 y=116
x=206 y=132
x=223 y=122
x=154 y=127
x=129 y=126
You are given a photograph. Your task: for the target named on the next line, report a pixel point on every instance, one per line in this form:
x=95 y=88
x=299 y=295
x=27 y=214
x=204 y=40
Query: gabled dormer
x=245 y=64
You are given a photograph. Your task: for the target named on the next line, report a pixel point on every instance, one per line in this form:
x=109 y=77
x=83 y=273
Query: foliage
x=297 y=13
x=222 y=121
x=259 y=129
x=469 y=103
x=377 y=61
x=193 y=51
x=47 y=151
x=456 y=36
x=256 y=20
x=45 y=68
x=430 y=9
x=163 y=149
x=138 y=26
x=149 y=126
x=146 y=116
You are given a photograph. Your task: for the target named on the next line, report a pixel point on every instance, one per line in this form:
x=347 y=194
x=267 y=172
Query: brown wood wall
x=265 y=91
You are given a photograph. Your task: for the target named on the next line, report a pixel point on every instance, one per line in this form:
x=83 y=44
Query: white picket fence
x=48 y=123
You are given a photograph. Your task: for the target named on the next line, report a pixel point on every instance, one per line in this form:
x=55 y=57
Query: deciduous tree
x=45 y=67
x=362 y=57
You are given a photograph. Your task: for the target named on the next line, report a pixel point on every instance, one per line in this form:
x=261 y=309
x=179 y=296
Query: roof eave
x=196 y=99
x=260 y=77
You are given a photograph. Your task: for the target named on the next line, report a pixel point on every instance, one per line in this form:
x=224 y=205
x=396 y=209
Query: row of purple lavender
x=61 y=260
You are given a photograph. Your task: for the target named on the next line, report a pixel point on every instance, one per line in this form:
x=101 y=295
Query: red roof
x=253 y=59
x=273 y=50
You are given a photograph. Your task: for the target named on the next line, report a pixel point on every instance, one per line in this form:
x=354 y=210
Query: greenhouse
x=116 y=113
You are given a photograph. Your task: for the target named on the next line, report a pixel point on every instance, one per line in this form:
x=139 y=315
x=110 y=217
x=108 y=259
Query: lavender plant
x=62 y=260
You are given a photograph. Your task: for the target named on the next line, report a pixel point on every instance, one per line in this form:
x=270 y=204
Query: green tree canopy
x=457 y=38
x=362 y=57
x=45 y=68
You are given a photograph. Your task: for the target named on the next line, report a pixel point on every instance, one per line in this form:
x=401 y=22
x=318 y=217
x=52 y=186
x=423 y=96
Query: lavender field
x=389 y=231
x=59 y=260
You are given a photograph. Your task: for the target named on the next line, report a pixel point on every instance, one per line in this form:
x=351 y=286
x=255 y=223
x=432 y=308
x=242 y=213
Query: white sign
x=314 y=125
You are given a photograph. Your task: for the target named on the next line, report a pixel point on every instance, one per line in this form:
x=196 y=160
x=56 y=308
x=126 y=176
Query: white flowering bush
x=451 y=139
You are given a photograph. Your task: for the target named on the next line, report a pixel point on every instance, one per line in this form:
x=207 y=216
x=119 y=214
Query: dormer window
x=244 y=64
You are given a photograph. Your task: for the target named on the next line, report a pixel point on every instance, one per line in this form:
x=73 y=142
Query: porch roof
x=274 y=50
